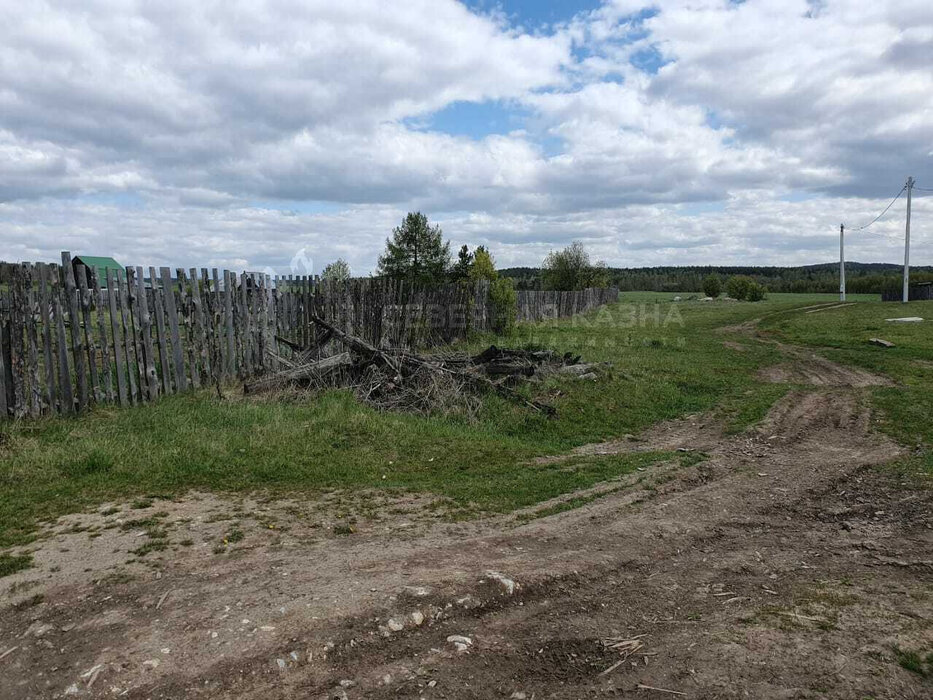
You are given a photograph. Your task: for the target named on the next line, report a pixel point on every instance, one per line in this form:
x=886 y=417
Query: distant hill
x=861 y=278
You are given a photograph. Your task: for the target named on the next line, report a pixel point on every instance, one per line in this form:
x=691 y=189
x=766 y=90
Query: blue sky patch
x=473 y=119
x=534 y=13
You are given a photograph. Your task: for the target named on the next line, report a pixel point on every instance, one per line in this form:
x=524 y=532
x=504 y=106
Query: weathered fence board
x=158 y=308
x=50 y=395
x=178 y=353
x=116 y=332
x=77 y=342
x=107 y=370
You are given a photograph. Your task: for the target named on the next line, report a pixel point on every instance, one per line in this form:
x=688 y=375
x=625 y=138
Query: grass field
x=668 y=361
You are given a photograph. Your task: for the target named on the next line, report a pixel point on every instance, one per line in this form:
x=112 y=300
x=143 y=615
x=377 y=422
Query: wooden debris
x=397 y=379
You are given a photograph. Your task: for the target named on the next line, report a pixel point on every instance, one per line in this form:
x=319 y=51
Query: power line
x=924 y=189
x=862 y=228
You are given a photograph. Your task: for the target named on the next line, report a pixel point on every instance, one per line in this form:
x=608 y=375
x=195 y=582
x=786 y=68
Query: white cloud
x=130 y=127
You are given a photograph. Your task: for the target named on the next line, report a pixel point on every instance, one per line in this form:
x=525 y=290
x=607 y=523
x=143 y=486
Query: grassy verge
x=668 y=361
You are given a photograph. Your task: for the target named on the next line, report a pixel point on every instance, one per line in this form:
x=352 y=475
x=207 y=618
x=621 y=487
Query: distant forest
x=861 y=278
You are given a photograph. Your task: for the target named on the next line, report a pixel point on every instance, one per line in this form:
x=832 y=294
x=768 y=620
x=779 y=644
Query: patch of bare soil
x=809 y=368
x=784 y=566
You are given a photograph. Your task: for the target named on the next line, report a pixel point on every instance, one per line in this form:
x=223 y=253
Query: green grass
x=914 y=662
x=842 y=335
x=668 y=361
x=10 y=564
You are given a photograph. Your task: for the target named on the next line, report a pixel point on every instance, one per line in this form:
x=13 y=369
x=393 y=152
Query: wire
x=862 y=228
x=923 y=189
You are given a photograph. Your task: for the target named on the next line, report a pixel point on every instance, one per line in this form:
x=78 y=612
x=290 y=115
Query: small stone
x=518 y=695
x=280 y=663
x=431 y=684
x=395 y=625
x=507 y=584
x=386 y=679
x=880 y=342
x=347 y=683
x=419 y=591
x=460 y=642
x=417 y=618
x=151 y=663
x=72 y=689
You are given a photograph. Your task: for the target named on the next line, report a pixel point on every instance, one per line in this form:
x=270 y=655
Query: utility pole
x=910 y=186
x=842 y=262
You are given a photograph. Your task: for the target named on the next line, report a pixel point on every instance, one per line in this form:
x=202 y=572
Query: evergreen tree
x=464 y=265
x=416 y=252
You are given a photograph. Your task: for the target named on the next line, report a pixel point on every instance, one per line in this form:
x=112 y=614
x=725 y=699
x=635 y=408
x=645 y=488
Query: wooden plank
x=199 y=323
x=205 y=321
x=128 y=338
x=116 y=334
x=18 y=341
x=209 y=305
x=191 y=341
x=132 y=294
x=265 y=338
x=303 y=306
x=106 y=369
x=178 y=353
x=4 y=343
x=32 y=344
x=145 y=335
x=221 y=347
x=230 y=352
x=77 y=341
x=84 y=297
x=158 y=306
x=245 y=352
x=66 y=403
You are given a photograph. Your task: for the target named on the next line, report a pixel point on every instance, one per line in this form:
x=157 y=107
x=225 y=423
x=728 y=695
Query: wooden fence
x=69 y=339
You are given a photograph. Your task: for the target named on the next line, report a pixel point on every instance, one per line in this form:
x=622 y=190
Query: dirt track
x=782 y=566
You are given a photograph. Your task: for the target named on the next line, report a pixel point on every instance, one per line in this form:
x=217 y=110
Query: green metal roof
x=97 y=261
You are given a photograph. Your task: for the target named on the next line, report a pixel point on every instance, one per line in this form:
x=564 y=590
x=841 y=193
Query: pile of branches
x=396 y=379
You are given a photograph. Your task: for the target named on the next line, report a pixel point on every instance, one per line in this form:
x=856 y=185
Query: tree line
x=861 y=278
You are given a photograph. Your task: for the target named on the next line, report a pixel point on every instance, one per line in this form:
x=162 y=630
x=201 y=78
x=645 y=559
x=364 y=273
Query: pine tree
x=416 y=252
x=463 y=266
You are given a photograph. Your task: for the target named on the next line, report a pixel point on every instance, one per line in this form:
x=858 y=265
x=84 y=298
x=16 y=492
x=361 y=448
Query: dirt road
x=783 y=565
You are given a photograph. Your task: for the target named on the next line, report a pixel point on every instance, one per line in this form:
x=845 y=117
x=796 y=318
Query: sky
x=282 y=134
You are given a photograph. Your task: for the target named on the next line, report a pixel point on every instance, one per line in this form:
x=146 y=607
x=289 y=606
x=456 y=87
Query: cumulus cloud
x=660 y=132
